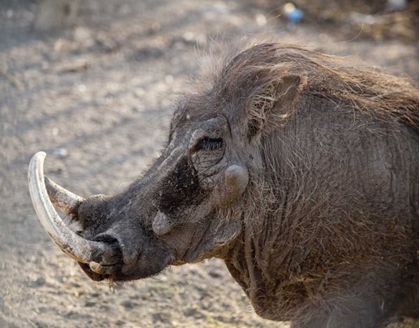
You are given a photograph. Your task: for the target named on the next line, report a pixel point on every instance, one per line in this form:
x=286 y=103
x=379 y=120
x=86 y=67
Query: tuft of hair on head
x=267 y=79
x=263 y=73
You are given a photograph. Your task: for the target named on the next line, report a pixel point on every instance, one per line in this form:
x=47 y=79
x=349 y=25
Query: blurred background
x=93 y=83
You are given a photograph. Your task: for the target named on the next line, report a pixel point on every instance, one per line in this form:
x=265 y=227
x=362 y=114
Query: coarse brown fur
x=341 y=80
x=315 y=248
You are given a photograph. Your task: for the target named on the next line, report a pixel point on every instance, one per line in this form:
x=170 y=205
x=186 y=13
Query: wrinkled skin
x=168 y=216
x=308 y=194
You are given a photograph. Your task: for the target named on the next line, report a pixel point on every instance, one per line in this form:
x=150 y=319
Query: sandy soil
x=97 y=97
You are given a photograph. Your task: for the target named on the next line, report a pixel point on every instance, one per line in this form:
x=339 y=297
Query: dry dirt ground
x=97 y=97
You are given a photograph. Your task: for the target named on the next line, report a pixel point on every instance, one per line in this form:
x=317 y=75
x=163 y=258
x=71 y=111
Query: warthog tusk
x=64 y=200
x=78 y=248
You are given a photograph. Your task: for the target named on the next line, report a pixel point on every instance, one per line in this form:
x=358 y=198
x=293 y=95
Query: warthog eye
x=209 y=144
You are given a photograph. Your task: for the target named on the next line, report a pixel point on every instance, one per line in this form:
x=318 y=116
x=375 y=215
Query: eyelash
x=209 y=144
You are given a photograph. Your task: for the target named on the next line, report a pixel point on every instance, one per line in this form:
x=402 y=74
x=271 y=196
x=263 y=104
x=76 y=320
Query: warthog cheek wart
x=236 y=179
x=162 y=224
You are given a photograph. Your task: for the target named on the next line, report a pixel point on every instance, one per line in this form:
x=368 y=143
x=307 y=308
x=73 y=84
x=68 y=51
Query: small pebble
x=61 y=152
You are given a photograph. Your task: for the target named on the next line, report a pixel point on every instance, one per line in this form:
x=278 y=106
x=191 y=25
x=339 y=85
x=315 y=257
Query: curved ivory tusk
x=63 y=199
x=78 y=248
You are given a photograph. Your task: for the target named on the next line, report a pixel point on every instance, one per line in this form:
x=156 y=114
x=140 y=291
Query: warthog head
x=169 y=216
x=187 y=207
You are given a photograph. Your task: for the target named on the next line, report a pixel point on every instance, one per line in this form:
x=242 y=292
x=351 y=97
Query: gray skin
x=288 y=168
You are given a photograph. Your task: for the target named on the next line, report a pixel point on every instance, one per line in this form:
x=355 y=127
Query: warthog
x=297 y=169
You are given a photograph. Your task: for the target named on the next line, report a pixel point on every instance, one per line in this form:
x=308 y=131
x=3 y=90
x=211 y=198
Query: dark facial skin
x=168 y=216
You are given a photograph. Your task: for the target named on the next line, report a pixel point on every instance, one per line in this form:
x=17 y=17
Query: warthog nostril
x=106 y=238
x=107 y=263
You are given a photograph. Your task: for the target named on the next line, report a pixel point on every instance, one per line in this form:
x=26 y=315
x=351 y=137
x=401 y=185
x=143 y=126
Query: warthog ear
x=273 y=103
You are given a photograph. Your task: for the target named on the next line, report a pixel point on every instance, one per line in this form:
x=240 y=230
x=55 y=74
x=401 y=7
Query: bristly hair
x=338 y=79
